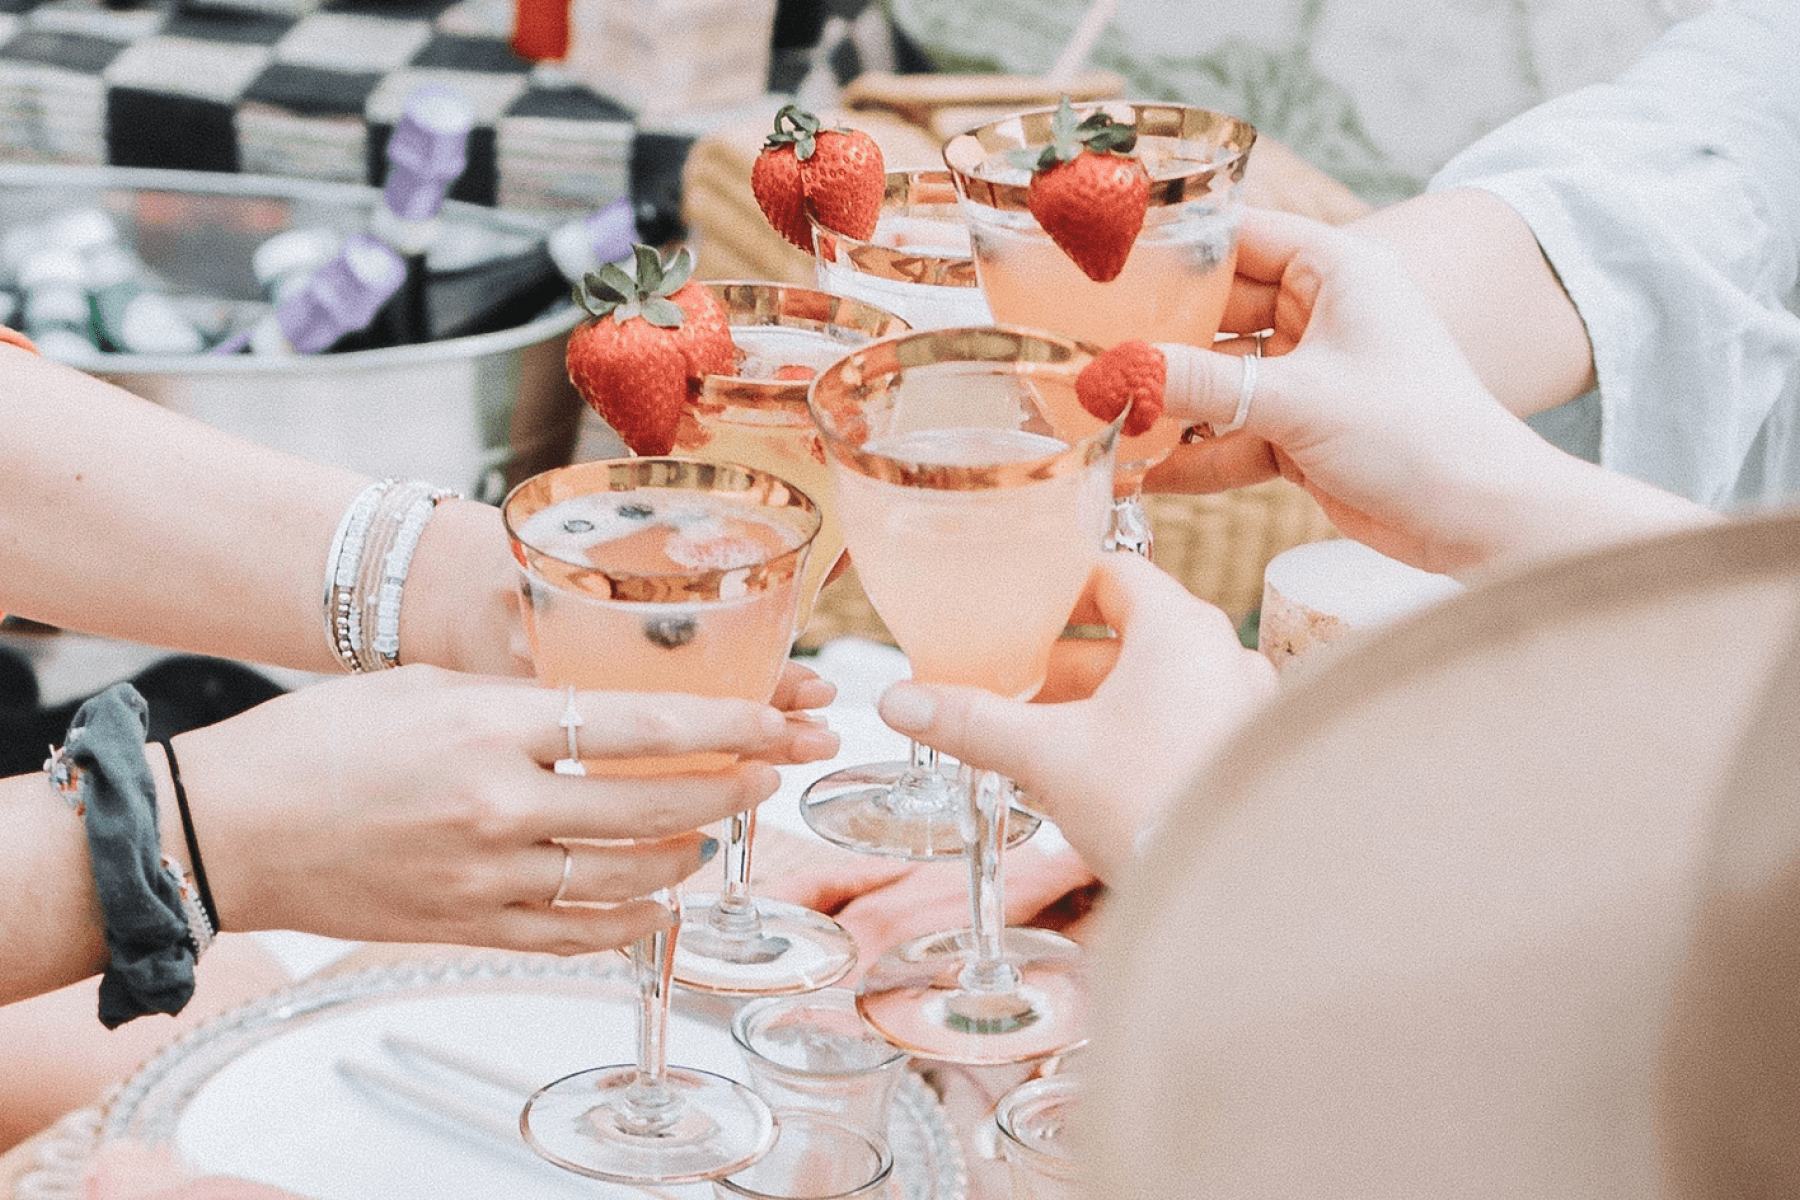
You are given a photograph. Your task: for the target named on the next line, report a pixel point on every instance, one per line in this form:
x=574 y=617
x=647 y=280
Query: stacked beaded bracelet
x=365 y=570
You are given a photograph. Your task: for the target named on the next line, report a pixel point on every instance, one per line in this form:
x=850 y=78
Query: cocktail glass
x=657 y=575
x=974 y=492
x=1175 y=283
x=735 y=943
x=917 y=264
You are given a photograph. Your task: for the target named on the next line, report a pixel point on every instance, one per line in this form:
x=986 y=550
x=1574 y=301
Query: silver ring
x=1246 y=390
x=571 y=722
x=562 y=888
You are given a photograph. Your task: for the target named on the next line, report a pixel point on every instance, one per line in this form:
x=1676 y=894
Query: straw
x=1074 y=55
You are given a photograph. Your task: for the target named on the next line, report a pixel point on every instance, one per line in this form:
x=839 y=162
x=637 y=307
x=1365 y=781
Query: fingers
x=800 y=687
x=571 y=929
x=573 y=871
x=547 y=807
x=647 y=725
x=968 y=724
x=1236 y=460
x=1077 y=667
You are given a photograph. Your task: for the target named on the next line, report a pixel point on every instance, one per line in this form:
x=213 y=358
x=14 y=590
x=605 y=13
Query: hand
x=1128 y=722
x=885 y=901
x=417 y=805
x=461 y=605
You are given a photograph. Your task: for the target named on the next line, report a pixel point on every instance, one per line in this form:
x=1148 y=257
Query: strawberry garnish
x=839 y=173
x=1133 y=373
x=632 y=359
x=1088 y=193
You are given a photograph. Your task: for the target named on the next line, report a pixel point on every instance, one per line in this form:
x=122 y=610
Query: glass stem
x=1130 y=528
x=650 y=1105
x=987 y=798
x=734 y=913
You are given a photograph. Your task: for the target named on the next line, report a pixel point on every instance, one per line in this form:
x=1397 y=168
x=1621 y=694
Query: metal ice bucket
x=469 y=412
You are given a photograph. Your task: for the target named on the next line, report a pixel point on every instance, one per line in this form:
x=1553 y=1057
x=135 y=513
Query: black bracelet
x=187 y=832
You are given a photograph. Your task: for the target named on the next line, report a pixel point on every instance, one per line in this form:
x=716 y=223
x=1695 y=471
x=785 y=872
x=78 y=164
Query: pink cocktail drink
x=1176 y=280
x=638 y=578
x=657 y=575
x=975 y=585
x=758 y=417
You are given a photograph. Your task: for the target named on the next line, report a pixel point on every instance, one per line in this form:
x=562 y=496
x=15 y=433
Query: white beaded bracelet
x=366 y=568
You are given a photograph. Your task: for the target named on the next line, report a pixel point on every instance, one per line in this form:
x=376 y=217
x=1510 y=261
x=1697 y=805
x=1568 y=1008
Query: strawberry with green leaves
x=1088 y=192
x=838 y=173
x=651 y=331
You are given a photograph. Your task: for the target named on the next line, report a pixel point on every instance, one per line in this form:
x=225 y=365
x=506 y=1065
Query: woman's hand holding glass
x=1120 y=725
x=1364 y=398
x=418 y=805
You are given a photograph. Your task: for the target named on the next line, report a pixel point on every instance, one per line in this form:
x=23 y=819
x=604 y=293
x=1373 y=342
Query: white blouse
x=1668 y=202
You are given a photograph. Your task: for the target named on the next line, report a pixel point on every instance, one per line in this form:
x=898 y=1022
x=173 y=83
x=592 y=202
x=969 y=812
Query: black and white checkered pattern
x=304 y=88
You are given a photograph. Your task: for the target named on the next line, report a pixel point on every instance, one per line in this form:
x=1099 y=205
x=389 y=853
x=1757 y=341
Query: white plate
x=257 y=1093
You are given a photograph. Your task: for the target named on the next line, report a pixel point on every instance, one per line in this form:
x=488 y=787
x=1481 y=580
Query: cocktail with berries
x=1109 y=222
x=661 y=575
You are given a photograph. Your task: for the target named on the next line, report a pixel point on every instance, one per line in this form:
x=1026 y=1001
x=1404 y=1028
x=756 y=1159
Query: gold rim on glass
x=774 y=497
x=926 y=194
x=857 y=400
x=1219 y=143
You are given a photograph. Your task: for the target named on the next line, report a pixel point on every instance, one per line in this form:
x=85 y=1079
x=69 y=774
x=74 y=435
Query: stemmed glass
x=656 y=575
x=734 y=943
x=918 y=264
x=974 y=492
x=1175 y=283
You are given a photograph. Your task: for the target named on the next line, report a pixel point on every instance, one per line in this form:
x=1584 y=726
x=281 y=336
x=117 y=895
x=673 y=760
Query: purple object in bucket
x=427 y=151
x=343 y=295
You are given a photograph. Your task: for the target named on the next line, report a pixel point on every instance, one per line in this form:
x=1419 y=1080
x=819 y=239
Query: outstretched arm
x=218 y=544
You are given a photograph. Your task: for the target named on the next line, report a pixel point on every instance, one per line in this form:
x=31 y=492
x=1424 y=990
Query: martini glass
x=656 y=575
x=1175 y=283
x=734 y=943
x=974 y=492
x=917 y=263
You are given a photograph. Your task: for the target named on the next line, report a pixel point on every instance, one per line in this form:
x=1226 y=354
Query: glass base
x=914 y=995
x=710 y=1126
x=794 y=950
x=854 y=808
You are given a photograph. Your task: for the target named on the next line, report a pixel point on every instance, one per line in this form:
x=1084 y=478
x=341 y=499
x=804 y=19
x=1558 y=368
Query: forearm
x=1526 y=499
x=52 y=932
x=50 y=926
x=119 y=517
x=1483 y=271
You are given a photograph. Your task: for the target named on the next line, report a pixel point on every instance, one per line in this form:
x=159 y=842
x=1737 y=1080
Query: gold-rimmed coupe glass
x=734 y=943
x=656 y=575
x=918 y=263
x=1174 y=284
x=974 y=494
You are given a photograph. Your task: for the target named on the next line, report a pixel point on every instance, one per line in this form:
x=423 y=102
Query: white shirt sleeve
x=1668 y=202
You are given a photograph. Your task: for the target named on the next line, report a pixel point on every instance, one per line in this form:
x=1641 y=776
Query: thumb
x=1207 y=387
x=969 y=724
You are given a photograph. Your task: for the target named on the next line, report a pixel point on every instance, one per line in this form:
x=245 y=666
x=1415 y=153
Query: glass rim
x=786 y=1118
x=741 y=1033
x=896 y=263
x=1033 y=1098
x=965 y=152
x=672 y=473
x=839 y=385
x=796 y=306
